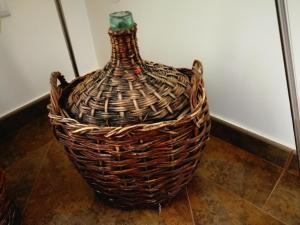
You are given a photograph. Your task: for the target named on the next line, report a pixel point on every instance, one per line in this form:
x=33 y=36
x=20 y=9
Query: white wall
x=238 y=42
x=80 y=34
x=32 y=46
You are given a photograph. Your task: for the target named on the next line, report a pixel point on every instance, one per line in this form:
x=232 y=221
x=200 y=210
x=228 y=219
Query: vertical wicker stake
x=283 y=23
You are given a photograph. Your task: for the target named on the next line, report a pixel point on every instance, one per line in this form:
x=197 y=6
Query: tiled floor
x=231 y=186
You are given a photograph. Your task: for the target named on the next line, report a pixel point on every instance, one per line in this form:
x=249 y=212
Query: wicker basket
x=135 y=130
x=141 y=164
x=7 y=208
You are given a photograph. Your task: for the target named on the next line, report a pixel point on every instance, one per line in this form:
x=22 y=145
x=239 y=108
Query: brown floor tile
x=284 y=202
x=58 y=188
x=61 y=196
x=21 y=156
x=31 y=137
x=238 y=171
x=212 y=205
x=228 y=181
x=294 y=167
x=21 y=175
x=176 y=213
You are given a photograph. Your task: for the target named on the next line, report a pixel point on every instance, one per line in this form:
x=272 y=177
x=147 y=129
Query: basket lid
x=129 y=90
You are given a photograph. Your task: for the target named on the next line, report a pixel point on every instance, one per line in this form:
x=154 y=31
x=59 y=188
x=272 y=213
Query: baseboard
x=253 y=143
x=18 y=118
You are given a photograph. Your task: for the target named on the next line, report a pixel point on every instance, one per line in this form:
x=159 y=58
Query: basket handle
x=197 y=91
x=197 y=71
x=56 y=91
x=197 y=65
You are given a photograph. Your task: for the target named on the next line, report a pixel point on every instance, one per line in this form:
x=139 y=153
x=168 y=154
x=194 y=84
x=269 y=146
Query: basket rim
x=61 y=116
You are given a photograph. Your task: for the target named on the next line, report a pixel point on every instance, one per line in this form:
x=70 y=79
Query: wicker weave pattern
x=137 y=165
x=7 y=209
x=129 y=90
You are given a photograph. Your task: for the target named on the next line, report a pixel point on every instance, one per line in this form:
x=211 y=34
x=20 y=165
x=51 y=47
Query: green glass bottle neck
x=125 y=53
x=121 y=20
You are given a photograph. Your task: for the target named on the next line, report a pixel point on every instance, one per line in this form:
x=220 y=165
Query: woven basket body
x=135 y=130
x=7 y=208
x=136 y=165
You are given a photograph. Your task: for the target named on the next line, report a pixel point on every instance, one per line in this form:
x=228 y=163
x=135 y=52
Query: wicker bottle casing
x=136 y=129
x=129 y=90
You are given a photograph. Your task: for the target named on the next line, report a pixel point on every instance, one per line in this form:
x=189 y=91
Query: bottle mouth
x=121 y=20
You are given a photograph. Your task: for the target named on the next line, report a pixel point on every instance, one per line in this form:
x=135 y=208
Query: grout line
x=190 y=206
x=284 y=170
